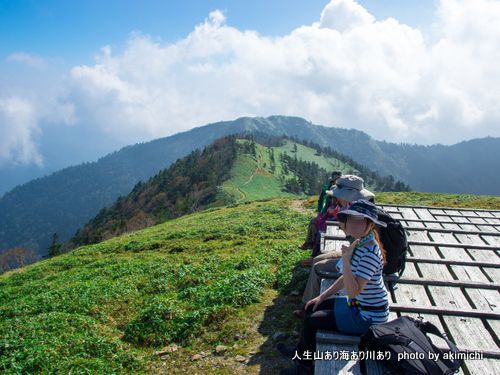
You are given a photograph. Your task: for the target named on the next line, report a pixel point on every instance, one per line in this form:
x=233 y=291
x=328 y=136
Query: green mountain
x=64 y=201
x=232 y=170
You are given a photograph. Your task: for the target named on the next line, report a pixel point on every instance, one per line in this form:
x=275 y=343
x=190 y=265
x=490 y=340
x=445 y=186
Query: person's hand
x=315 y=302
x=347 y=250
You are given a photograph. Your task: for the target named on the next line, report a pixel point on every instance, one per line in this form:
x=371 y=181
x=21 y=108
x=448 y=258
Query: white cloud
x=348 y=69
x=20 y=118
x=26 y=58
x=344 y=15
x=17 y=125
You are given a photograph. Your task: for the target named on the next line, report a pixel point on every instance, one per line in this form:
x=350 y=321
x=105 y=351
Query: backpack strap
x=428 y=327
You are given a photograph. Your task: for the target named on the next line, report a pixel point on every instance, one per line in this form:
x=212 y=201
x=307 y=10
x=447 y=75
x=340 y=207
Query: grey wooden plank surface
x=341 y=366
x=433 y=208
x=415 y=295
x=469 y=332
x=466 y=332
x=491 y=273
x=427 y=270
x=420 y=293
x=423 y=213
x=331 y=245
x=486 y=300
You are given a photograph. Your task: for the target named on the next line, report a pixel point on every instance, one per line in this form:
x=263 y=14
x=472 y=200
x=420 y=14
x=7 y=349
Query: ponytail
x=380 y=245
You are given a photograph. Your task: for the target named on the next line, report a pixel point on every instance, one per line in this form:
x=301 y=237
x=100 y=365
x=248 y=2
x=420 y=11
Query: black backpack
x=393 y=238
x=407 y=336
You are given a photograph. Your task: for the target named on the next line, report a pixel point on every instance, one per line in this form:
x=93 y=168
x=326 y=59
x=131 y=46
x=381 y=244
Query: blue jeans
x=348 y=321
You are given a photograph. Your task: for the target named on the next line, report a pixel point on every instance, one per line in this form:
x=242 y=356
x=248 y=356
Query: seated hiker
x=348 y=188
x=323 y=204
x=367 y=301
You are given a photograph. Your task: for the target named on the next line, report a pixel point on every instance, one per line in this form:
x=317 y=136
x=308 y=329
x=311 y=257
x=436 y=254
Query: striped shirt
x=367 y=263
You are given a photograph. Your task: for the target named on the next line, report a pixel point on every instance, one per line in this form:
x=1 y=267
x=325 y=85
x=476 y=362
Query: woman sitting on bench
x=367 y=299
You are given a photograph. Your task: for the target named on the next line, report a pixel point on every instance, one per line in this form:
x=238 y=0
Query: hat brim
x=350 y=194
x=359 y=214
x=367 y=194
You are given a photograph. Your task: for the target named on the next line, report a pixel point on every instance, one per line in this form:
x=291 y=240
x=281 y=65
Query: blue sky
x=73 y=31
x=84 y=78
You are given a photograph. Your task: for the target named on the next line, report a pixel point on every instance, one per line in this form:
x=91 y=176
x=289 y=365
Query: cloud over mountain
x=348 y=69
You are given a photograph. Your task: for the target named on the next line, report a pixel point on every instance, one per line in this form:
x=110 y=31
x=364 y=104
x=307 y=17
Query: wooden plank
x=427 y=242
x=430 y=243
x=471 y=325
x=459 y=262
x=472 y=217
x=492 y=220
x=434 y=208
x=452 y=226
x=337 y=338
x=334 y=341
x=328 y=243
x=411 y=271
x=493 y=240
x=465 y=331
x=446 y=311
x=423 y=213
x=491 y=273
x=339 y=366
x=479 y=220
x=483 y=228
x=455 y=245
x=326 y=283
x=410 y=214
x=455 y=229
x=461 y=223
x=427 y=224
x=425 y=281
x=407 y=212
x=427 y=270
x=470 y=273
x=415 y=295
x=468 y=224
x=487 y=300
x=485 y=213
x=465 y=264
x=330 y=341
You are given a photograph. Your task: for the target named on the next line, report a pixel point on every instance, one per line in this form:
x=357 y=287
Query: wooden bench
x=344 y=345
x=452 y=279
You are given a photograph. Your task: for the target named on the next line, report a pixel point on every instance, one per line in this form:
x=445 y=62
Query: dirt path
x=247 y=182
x=298 y=205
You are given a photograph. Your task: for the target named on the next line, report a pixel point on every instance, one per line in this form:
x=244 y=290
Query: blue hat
x=362 y=208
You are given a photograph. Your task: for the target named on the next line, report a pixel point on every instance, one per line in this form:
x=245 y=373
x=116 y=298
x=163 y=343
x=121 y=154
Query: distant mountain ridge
x=65 y=200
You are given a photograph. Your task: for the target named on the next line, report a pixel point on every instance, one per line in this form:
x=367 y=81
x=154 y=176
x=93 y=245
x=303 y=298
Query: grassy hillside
x=224 y=276
x=108 y=307
x=309 y=154
x=252 y=177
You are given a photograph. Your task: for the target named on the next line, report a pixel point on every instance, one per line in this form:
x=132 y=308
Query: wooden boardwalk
x=452 y=278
